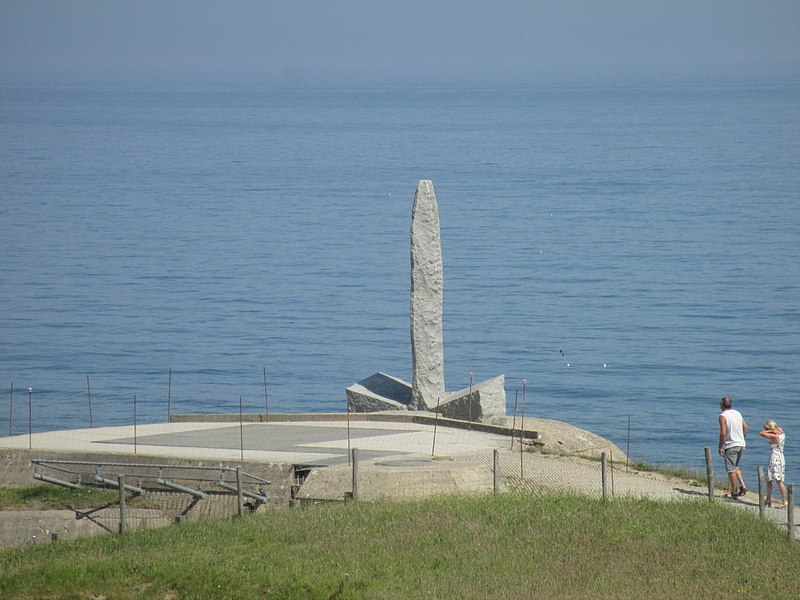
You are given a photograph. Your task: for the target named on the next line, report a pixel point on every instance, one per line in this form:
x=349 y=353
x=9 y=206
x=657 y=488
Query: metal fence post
x=30 y=418
x=522 y=434
x=355 y=474
x=709 y=473
x=123 y=507
x=135 y=443
x=239 y=495
x=761 y=503
x=603 y=467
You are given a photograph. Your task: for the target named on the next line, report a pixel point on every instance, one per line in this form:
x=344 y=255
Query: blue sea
x=631 y=252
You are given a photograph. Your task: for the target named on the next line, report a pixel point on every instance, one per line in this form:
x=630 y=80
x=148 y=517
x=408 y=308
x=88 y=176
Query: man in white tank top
x=732 y=430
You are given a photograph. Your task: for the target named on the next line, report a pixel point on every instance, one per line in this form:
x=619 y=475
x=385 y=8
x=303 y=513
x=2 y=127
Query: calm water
x=647 y=236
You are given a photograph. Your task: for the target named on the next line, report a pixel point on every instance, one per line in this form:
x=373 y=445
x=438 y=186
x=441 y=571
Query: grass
x=44 y=497
x=507 y=546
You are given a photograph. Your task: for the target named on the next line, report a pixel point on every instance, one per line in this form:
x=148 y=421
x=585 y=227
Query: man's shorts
x=733 y=456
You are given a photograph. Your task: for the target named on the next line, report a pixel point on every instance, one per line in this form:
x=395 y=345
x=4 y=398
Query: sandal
x=742 y=491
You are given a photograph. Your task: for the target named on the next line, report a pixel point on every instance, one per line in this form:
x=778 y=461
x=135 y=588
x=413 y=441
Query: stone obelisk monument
x=427 y=290
x=483 y=402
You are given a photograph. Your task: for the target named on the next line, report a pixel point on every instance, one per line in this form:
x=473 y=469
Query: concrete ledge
x=421 y=418
x=27 y=527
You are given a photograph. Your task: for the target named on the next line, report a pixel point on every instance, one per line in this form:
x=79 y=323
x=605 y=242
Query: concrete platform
x=313 y=443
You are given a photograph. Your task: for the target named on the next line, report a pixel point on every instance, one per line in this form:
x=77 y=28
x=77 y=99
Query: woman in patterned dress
x=775 y=470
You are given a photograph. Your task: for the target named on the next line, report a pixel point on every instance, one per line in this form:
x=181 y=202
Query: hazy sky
x=397 y=41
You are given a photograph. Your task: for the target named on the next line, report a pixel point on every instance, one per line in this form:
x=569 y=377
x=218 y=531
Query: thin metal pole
x=239 y=495
x=266 y=398
x=89 y=393
x=522 y=431
x=628 y=447
x=241 y=430
x=435 y=423
x=709 y=473
x=470 y=400
x=135 y=443
x=514 y=422
x=761 y=503
x=348 y=433
x=11 y=410
x=169 y=397
x=30 y=418
x=355 y=474
x=603 y=469
x=123 y=506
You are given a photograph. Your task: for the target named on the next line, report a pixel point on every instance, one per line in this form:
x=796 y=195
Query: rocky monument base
x=484 y=402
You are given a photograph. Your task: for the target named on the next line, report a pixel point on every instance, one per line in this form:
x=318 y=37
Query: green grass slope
x=508 y=546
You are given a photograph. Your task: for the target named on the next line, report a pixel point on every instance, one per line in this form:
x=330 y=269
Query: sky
x=309 y=42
